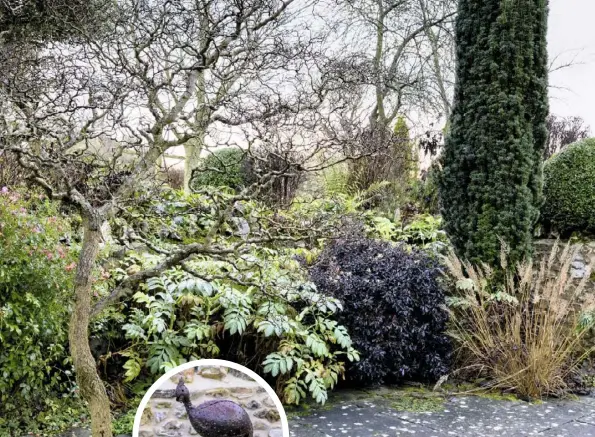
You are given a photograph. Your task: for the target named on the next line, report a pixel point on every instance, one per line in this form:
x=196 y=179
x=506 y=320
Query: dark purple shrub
x=394 y=309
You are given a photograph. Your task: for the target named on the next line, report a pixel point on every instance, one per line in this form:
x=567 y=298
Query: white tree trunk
x=194 y=147
x=192 y=151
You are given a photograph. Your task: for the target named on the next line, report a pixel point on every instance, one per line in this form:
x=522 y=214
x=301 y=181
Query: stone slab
x=476 y=416
x=571 y=429
x=459 y=417
x=361 y=419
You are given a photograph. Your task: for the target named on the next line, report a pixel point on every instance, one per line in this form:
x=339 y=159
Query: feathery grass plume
x=520 y=327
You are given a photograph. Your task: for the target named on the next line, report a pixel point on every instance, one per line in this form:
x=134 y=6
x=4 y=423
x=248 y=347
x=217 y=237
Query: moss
x=218 y=393
x=497 y=396
x=306 y=409
x=473 y=389
x=414 y=399
x=417 y=404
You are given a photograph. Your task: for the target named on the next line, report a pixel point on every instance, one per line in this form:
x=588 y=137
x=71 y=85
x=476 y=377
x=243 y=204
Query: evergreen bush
x=569 y=189
x=222 y=168
x=387 y=156
x=424 y=192
x=491 y=183
x=393 y=308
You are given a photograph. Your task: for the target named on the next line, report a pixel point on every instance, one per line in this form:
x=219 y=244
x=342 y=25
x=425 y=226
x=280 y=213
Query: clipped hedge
x=393 y=308
x=569 y=189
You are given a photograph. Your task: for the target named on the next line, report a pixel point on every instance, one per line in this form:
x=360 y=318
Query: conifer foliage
x=492 y=180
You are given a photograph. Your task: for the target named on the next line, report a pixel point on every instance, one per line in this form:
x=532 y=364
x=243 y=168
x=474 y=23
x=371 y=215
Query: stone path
x=470 y=416
x=383 y=413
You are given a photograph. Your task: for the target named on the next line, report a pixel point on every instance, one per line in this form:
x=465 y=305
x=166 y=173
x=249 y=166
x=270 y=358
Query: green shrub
x=254 y=306
x=569 y=189
x=279 y=325
x=222 y=168
x=424 y=232
x=35 y=286
x=335 y=180
x=123 y=423
x=424 y=192
x=236 y=168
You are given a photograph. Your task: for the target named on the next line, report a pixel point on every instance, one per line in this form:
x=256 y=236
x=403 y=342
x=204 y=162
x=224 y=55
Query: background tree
x=563 y=131
x=492 y=179
x=392 y=160
x=399 y=73
x=37 y=21
x=405 y=73
x=241 y=80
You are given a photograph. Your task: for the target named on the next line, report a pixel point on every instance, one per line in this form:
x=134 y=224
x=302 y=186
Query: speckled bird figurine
x=217 y=418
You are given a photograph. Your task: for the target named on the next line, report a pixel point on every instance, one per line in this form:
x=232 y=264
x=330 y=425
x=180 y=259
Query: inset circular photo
x=210 y=398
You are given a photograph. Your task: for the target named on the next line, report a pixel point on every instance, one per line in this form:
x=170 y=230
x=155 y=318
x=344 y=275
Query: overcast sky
x=572 y=33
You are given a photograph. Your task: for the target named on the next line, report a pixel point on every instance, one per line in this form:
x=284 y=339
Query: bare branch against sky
x=571 y=40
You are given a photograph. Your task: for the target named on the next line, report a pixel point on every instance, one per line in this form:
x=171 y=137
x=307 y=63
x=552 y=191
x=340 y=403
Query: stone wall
x=583 y=263
x=164 y=417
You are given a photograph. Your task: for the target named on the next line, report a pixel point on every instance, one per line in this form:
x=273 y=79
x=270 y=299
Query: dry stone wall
x=164 y=417
x=583 y=263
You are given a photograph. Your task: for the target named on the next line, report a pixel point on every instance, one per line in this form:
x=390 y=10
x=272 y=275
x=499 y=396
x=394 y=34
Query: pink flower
x=70 y=267
x=4 y=190
x=50 y=256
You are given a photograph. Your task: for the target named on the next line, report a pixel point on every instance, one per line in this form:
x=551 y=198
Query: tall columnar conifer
x=492 y=170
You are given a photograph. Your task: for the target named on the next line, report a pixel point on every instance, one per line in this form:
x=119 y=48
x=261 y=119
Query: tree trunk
x=91 y=387
x=193 y=148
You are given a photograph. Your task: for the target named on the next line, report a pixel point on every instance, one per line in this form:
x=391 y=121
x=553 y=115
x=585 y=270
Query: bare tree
x=397 y=58
x=563 y=131
x=409 y=66
x=39 y=20
x=239 y=61
x=88 y=119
